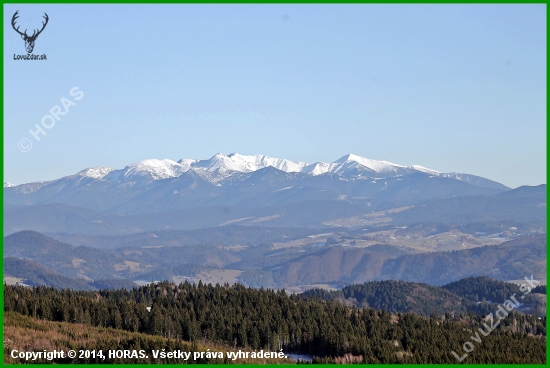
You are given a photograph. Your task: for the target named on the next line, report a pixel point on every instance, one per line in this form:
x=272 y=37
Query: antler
x=15 y=16
x=34 y=35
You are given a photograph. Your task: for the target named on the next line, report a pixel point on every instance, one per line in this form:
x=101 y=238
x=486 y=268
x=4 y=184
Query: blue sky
x=456 y=88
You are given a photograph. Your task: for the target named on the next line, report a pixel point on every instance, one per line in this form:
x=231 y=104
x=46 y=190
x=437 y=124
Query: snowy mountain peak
x=317 y=168
x=348 y=157
x=187 y=162
x=424 y=169
x=218 y=162
x=97 y=172
x=372 y=164
x=154 y=169
x=245 y=164
x=358 y=163
x=8 y=184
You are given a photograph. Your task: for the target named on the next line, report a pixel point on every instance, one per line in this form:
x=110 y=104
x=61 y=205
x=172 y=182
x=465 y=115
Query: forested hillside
x=23 y=331
x=474 y=294
x=267 y=319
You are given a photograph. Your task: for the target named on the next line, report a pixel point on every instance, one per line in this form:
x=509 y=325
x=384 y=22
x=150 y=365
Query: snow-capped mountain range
x=222 y=166
x=259 y=180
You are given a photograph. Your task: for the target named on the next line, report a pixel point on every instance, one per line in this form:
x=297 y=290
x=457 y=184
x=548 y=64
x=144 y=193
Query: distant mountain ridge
x=510 y=260
x=35 y=274
x=222 y=166
x=250 y=181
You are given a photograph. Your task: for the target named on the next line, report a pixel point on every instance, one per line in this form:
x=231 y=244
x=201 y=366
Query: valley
x=366 y=235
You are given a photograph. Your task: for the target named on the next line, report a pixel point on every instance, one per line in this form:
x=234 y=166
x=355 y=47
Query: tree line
x=267 y=319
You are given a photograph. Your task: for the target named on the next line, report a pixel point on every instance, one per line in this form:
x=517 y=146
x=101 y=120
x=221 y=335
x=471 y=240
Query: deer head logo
x=29 y=40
